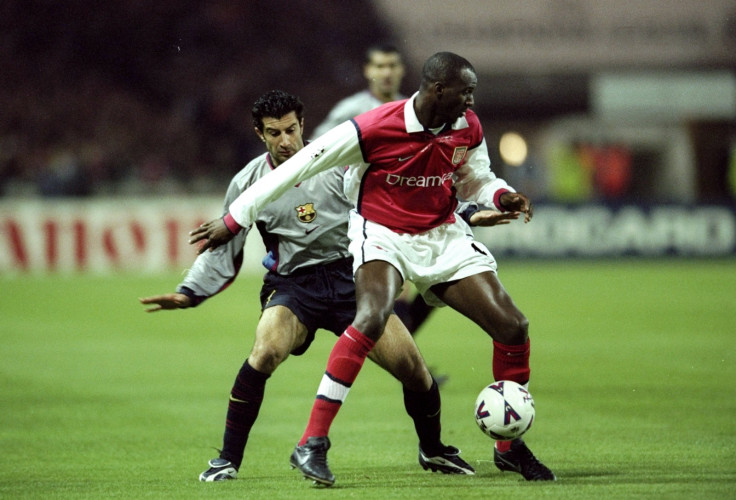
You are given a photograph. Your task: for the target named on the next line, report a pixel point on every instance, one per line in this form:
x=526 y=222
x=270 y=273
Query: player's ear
x=439 y=89
x=259 y=134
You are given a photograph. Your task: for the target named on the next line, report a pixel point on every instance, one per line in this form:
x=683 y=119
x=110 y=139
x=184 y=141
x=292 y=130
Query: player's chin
x=456 y=116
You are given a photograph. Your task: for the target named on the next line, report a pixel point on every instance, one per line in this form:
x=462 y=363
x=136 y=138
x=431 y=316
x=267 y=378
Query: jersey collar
x=412 y=122
x=268 y=160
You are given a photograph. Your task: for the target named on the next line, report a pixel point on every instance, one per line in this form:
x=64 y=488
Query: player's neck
x=426 y=116
x=384 y=98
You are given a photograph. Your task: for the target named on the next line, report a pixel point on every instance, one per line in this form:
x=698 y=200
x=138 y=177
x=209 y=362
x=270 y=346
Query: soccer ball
x=504 y=410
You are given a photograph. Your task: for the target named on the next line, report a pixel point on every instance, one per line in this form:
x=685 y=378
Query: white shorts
x=446 y=253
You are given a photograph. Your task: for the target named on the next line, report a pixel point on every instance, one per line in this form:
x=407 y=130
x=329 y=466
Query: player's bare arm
x=487 y=218
x=166 y=301
x=518 y=202
x=213 y=233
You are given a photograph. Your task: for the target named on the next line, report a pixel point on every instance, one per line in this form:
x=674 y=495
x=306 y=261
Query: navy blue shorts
x=321 y=297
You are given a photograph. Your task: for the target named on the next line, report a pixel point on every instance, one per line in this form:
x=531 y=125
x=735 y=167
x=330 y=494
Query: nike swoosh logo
x=236 y=400
x=405 y=158
x=307 y=231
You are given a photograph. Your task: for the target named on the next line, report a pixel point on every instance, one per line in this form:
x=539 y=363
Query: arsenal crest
x=306 y=213
x=459 y=155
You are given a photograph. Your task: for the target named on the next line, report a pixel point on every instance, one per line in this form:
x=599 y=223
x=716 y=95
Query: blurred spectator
x=63 y=176
x=570 y=174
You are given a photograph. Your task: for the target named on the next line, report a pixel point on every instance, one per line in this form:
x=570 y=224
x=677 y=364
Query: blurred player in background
x=407 y=161
x=309 y=285
x=383 y=69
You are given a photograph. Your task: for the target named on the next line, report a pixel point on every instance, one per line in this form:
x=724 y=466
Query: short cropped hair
x=275 y=104
x=444 y=67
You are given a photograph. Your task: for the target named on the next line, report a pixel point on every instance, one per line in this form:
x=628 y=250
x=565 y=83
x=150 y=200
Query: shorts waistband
x=344 y=263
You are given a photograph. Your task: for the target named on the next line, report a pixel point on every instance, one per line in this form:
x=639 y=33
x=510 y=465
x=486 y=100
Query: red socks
x=510 y=362
x=343 y=366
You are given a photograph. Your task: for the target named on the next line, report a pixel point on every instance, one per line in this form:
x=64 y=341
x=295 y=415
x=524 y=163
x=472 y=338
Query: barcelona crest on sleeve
x=459 y=155
x=306 y=213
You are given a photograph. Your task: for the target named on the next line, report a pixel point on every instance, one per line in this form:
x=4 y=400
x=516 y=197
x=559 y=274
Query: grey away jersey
x=348 y=108
x=306 y=226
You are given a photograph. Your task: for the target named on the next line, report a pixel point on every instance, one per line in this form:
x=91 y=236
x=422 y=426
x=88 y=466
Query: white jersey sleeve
x=339 y=146
x=475 y=180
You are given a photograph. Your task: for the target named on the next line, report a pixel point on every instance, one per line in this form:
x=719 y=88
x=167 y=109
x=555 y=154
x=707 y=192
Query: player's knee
x=414 y=374
x=513 y=331
x=371 y=320
x=266 y=358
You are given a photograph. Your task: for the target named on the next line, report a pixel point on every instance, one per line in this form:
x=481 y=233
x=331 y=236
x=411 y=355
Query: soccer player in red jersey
x=308 y=286
x=409 y=161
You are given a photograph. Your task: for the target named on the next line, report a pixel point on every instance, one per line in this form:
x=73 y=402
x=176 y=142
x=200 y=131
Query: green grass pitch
x=633 y=374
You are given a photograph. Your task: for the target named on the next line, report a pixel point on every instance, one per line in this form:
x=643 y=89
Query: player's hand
x=518 y=202
x=166 y=301
x=213 y=233
x=489 y=218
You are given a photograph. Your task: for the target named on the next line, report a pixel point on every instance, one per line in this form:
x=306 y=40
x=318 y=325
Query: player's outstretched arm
x=166 y=301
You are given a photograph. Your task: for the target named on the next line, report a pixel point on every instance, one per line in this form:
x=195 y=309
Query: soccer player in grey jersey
x=383 y=69
x=309 y=285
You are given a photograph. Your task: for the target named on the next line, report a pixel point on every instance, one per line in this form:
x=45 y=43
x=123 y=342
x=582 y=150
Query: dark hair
x=444 y=67
x=385 y=48
x=275 y=104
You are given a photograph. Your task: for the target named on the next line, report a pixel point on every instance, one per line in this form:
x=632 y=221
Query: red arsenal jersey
x=408 y=184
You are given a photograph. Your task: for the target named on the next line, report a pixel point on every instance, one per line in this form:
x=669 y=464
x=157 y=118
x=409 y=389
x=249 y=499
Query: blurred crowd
x=135 y=98
x=131 y=98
